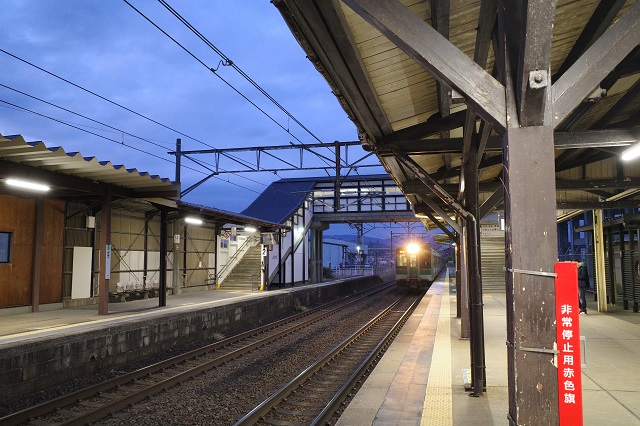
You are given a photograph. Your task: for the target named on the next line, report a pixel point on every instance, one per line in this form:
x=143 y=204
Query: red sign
x=568 y=340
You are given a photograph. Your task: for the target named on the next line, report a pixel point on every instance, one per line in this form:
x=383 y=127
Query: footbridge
x=309 y=205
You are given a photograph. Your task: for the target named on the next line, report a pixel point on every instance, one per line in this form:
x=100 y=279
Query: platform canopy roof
x=69 y=174
x=419 y=80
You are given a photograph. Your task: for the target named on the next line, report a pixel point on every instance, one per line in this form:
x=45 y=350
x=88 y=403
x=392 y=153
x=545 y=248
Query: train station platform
x=419 y=380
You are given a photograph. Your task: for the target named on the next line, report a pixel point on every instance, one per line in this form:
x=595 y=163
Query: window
x=224 y=243
x=5 y=247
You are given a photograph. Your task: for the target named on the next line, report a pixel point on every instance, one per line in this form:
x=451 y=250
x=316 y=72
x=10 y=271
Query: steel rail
x=316 y=314
x=263 y=410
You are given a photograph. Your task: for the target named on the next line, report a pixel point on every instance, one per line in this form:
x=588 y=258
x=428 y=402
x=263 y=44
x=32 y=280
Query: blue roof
x=280 y=200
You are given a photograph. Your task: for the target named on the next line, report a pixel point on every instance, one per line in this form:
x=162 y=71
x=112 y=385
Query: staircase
x=246 y=274
x=492 y=259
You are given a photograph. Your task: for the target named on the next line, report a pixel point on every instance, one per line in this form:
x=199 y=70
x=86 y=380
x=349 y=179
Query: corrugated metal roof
x=280 y=200
x=55 y=159
x=220 y=216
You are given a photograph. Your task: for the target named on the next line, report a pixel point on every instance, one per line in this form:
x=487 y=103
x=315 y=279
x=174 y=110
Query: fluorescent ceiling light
x=193 y=220
x=631 y=153
x=250 y=229
x=27 y=185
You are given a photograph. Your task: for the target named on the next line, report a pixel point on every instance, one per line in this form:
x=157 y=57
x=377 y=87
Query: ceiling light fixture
x=631 y=153
x=27 y=185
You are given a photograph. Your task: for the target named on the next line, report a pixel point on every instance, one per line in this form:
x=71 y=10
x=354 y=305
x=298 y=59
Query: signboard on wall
x=81 y=272
x=568 y=342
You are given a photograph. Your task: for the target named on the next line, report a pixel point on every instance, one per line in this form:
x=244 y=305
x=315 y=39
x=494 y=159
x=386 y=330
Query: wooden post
x=37 y=256
x=105 y=240
x=600 y=282
x=531 y=250
x=162 y=284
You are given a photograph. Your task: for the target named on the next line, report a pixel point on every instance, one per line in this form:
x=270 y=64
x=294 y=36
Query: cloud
x=110 y=49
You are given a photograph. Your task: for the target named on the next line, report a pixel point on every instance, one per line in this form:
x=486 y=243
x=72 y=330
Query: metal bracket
x=536 y=350
x=538 y=79
x=523 y=271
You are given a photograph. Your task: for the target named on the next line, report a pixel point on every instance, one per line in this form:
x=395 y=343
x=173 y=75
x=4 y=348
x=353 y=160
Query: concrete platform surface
x=419 y=380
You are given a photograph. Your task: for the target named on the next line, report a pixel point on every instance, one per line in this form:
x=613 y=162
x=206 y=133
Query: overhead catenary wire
x=83 y=130
x=83 y=116
x=23 y=109
x=19 y=108
x=213 y=70
x=103 y=98
x=127 y=109
x=228 y=62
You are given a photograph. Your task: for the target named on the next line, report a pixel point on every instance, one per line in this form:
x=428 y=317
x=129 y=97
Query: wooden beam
x=626 y=100
x=496 y=198
x=316 y=26
x=437 y=55
x=433 y=126
x=596 y=63
x=529 y=39
x=608 y=138
x=440 y=12
x=440 y=225
x=440 y=212
x=602 y=17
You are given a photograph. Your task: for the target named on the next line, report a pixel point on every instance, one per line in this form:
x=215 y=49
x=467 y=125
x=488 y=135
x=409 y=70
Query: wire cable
x=228 y=62
x=84 y=116
x=84 y=130
x=213 y=71
x=104 y=99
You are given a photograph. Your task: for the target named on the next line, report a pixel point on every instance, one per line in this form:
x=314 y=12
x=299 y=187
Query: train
x=418 y=265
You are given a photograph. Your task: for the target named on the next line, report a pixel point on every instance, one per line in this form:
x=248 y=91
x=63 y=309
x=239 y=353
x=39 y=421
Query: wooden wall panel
x=18 y=216
x=52 y=251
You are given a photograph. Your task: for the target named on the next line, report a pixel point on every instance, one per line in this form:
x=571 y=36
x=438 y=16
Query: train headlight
x=413 y=248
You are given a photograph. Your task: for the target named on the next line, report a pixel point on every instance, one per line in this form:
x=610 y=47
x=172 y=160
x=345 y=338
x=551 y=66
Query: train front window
x=402 y=259
x=413 y=261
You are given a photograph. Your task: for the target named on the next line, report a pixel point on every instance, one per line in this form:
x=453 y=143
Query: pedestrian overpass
x=309 y=205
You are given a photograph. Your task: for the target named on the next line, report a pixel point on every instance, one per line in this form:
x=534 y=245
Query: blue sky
x=108 y=48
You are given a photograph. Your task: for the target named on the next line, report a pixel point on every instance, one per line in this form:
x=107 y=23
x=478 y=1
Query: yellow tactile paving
x=438 y=403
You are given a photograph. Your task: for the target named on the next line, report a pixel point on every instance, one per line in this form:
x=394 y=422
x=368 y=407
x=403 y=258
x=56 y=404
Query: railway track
x=316 y=395
x=101 y=400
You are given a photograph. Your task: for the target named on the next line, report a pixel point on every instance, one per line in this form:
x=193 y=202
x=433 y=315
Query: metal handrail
x=233 y=259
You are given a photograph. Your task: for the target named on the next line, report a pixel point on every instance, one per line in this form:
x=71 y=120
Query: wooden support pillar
x=105 y=249
x=600 y=282
x=145 y=253
x=175 y=272
x=162 y=301
x=458 y=281
x=531 y=251
x=37 y=256
x=464 y=283
x=472 y=204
